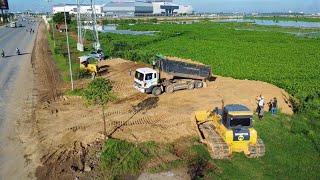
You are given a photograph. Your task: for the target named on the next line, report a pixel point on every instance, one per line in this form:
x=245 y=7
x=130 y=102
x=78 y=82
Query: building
x=127 y=8
x=185 y=9
x=73 y=9
x=163 y=7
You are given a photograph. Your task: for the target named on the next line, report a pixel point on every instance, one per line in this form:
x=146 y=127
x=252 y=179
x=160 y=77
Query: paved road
x=15 y=89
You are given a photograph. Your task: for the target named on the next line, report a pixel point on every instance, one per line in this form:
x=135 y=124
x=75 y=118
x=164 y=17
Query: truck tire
x=198 y=84
x=156 y=91
x=170 y=89
x=191 y=86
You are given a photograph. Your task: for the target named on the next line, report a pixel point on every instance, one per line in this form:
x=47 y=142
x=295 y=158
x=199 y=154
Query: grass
x=288 y=156
x=124 y=159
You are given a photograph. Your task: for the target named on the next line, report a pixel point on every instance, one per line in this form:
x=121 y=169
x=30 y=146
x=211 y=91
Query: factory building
x=166 y=7
x=73 y=9
x=127 y=8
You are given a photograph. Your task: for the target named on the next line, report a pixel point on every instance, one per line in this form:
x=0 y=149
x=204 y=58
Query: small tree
x=99 y=92
x=59 y=18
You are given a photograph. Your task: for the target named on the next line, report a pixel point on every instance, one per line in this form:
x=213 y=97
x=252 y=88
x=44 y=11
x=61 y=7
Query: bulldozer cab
x=236 y=116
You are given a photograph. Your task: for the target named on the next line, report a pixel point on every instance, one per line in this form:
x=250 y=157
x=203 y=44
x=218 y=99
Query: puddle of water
x=112 y=28
x=298 y=24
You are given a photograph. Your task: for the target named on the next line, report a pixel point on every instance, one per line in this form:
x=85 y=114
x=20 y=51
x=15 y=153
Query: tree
x=59 y=18
x=99 y=92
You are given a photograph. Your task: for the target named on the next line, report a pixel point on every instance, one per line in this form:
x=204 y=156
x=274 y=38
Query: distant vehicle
x=13 y=24
x=20 y=25
x=184 y=76
x=99 y=55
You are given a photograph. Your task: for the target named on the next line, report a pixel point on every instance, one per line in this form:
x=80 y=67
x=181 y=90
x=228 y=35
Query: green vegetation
x=129 y=21
x=283 y=18
x=289 y=155
x=99 y=91
x=59 y=18
x=120 y=158
x=59 y=52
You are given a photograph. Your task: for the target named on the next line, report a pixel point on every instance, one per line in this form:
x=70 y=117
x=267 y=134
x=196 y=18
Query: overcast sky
x=199 y=5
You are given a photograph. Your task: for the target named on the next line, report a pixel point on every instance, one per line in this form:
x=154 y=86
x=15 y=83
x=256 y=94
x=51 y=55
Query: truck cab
x=146 y=79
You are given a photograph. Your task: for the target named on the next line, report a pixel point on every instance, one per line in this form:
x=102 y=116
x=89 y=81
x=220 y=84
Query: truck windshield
x=139 y=76
x=240 y=122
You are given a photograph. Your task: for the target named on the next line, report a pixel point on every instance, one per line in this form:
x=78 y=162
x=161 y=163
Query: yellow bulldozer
x=229 y=130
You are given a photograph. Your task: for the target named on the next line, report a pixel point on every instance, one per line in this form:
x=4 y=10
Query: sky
x=307 y=6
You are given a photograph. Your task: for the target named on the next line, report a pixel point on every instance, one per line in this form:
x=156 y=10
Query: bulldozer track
x=118 y=112
x=217 y=146
x=145 y=120
x=257 y=150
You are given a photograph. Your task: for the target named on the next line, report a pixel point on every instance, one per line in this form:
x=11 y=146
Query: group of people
x=272 y=105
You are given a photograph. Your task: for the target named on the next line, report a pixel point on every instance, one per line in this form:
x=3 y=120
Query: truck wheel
x=169 y=89
x=156 y=91
x=198 y=84
x=191 y=85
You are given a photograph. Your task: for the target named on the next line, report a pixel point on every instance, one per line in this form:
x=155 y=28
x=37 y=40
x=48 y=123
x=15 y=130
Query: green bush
x=121 y=158
x=98 y=91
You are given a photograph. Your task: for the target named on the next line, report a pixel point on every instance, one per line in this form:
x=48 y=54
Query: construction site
x=167 y=117
x=65 y=129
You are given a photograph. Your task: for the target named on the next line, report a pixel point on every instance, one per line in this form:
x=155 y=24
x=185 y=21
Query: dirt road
x=16 y=82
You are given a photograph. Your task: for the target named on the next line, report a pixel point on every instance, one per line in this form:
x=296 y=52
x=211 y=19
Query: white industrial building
x=73 y=9
x=127 y=8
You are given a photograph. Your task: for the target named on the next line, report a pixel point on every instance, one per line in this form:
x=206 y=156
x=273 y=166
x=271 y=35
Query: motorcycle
x=18 y=52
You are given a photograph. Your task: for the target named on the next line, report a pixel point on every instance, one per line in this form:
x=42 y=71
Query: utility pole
x=70 y=68
x=94 y=20
x=79 y=24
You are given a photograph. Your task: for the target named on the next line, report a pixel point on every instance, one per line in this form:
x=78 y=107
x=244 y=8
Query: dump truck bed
x=184 y=69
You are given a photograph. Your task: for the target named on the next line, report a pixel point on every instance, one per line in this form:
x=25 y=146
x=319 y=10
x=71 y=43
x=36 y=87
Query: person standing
x=261 y=104
x=274 y=106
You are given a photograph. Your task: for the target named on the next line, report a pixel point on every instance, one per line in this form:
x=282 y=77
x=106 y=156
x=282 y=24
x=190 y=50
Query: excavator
x=229 y=130
x=89 y=65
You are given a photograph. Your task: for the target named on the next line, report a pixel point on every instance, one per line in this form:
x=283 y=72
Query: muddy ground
x=67 y=133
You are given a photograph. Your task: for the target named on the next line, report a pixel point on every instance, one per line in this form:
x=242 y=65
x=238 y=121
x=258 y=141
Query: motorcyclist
x=18 y=51
x=2 y=53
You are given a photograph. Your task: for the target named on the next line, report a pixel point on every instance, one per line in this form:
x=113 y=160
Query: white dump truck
x=184 y=75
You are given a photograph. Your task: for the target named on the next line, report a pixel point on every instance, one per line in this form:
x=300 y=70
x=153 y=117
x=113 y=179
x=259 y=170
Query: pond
x=297 y=24
x=112 y=28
